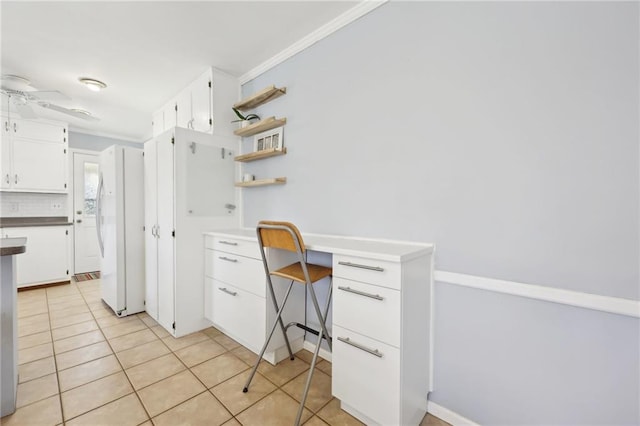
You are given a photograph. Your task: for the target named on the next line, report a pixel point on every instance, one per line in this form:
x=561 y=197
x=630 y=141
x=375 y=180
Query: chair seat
x=295 y=272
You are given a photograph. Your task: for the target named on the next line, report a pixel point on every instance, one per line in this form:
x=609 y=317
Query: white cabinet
x=381 y=324
x=47 y=257
x=236 y=291
x=34 y=156
x=188 y=190
x=202 y=106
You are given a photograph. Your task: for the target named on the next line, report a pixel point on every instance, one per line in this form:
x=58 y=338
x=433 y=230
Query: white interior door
x=85 y=184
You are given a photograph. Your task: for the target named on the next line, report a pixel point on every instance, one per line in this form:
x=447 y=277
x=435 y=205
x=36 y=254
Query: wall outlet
x=56 y=206
x=14 y=207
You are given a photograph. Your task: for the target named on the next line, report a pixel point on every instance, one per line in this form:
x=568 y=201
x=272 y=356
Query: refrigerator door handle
x=99 y=216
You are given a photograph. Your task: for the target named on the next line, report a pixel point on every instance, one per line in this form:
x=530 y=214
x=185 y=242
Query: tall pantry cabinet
x=189 y=189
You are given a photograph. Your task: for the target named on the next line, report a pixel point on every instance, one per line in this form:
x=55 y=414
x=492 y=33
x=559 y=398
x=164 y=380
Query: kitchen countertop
x=14 y=222
x=11 y=246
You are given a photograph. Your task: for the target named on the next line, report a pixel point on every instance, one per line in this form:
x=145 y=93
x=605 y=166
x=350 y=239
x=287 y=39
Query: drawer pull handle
x=361 y=293
x=357 y=265
x=229 y=243
x=224 y=289
x=359 y=346
x=227 y=259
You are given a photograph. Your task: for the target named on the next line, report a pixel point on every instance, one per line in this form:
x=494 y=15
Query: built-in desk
x=381 y=315
x=9 y=247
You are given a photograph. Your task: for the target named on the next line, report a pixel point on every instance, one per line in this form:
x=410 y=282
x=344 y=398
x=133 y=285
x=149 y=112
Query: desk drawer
x=243 y=272
x=367 y=309
x=235 y=246
x=378 y=272
x=367 y=382
x=240 y=314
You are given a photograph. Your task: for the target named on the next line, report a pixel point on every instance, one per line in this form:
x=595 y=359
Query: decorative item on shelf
x=244 y=120
x=272 y=139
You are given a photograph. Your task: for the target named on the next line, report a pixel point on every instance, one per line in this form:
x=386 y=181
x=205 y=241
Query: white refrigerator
x=120 y=226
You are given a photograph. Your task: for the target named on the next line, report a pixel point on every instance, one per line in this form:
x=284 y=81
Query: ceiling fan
x=22 y=96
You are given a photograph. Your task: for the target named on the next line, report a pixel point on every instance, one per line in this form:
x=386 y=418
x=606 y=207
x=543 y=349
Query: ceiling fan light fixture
x=82 y=111
x=92 y=84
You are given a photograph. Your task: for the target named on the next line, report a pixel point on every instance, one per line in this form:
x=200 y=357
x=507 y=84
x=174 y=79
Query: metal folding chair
x=285 y=236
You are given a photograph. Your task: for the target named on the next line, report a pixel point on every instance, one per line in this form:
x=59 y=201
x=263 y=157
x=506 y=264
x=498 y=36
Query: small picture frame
x=271 y=139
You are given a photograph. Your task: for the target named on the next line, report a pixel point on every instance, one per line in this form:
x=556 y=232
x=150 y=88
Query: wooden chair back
x=280 y=235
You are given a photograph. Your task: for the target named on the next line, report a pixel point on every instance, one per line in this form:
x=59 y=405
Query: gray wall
x=96 y=143
x=506 y=134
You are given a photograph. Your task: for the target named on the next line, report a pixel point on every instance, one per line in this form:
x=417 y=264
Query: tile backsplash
x=27 y=204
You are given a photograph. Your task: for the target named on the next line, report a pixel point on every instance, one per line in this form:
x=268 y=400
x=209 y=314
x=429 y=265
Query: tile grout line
x=121 y=366
x=55 y=359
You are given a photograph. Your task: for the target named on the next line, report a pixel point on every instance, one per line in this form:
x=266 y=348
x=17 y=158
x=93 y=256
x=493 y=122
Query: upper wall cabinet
x=34 y=156
x=202 y=106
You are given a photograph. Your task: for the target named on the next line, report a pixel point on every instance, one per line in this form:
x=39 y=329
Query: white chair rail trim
x=614 y=305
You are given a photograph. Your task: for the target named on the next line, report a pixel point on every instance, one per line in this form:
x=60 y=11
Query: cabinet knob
x=78 y=220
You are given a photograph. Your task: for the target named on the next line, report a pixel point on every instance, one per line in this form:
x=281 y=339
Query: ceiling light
x=94 y=85
x=82 y=111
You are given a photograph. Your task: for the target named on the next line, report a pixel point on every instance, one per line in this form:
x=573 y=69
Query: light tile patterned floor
x=79 y=364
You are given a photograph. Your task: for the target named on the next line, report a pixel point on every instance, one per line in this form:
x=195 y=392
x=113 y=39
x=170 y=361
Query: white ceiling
x=146 y=51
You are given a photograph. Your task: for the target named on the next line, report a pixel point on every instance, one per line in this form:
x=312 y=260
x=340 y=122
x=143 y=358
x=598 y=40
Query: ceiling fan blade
x=48 y=95
x=25 y=111
x=77 y=114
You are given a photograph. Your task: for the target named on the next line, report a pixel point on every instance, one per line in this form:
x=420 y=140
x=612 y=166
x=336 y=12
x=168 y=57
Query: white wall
x=96 y=143
x=506 y=134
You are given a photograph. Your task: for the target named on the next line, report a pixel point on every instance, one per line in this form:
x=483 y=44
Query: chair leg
x=322 y=319
x=309 y=377
x=266 y=343
x=282 y=327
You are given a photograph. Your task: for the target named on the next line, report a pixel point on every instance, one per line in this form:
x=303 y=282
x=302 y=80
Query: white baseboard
x=614 y=305
x=448 y=416
x=311 y=347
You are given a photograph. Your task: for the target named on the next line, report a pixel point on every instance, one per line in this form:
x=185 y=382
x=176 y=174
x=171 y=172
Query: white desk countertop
x=394 y=251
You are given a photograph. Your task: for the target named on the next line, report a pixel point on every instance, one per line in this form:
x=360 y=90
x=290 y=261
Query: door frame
x=70 y=203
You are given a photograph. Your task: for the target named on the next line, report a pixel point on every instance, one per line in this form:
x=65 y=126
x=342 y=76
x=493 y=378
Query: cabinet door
x=201 y=103
x=158 y=123
x=239 y=313
x=39 y=166
x=170 y=115
x=47 y=256
x=6 y=171
x=150 y=221
x=166 y=276
x=37 y=130
x=183 y=114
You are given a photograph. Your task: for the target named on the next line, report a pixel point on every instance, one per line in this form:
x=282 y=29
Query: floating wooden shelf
x=263 y=182
x=258 y=155
x=260 y=126
x=262 y=97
